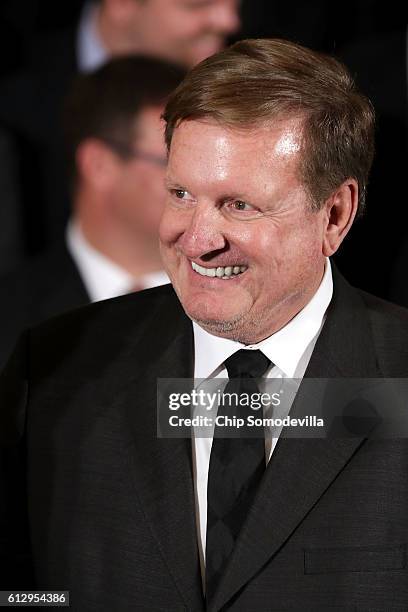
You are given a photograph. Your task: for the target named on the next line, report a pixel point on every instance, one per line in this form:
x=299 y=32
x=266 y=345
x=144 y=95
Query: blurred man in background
x=116 y=159
x=182 y=31
x=185 y=31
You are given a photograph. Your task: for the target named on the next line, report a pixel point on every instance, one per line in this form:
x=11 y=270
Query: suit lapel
x=300 y=470
x=160 y=470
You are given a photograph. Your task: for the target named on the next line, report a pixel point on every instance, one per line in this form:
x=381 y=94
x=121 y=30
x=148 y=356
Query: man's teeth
x=220 y=272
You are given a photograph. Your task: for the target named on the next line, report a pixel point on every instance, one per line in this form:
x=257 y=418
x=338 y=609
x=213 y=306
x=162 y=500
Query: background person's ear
x=341 y=209
x=97 y=165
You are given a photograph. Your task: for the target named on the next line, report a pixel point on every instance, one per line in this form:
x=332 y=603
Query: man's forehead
x=209 y=158
x=280 y=137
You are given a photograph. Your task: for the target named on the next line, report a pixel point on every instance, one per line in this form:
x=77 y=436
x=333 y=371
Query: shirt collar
x=90 y=50
x=154 y=279
x=284 y=348
x=103 y=278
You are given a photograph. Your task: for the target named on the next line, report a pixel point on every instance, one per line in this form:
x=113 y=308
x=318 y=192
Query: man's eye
x=180 y=193
x=240 y=205
x=181 y=197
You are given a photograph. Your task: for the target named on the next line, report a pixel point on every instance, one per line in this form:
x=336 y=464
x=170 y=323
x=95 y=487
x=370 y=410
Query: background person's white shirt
x=103 y=278
x=289 y=350
x=91 y=53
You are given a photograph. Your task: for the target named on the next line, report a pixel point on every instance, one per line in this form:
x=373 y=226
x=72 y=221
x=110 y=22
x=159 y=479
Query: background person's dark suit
x=11 y=243
x=31 y=109
x=369 y=252
x=399 y=276
x=46 y=286
x=111 y=507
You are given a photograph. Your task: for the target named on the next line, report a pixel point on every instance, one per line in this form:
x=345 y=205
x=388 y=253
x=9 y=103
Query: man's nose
x=225 y=17
x=204 y=233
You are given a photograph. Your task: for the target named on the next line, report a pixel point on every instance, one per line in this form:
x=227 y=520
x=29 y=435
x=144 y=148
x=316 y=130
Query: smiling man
x=270 y=146
x=238 y=211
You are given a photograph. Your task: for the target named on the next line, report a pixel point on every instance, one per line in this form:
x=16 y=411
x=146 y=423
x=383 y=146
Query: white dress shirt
x=103 y=278
x=89 y=48
x=289 y=351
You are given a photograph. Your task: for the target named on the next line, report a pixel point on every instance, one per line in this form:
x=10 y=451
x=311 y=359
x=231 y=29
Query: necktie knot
x=247 y=364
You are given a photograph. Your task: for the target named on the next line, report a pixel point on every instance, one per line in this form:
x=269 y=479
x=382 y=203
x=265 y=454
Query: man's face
x=235 y=203
x=138 y=194
x=184 y=31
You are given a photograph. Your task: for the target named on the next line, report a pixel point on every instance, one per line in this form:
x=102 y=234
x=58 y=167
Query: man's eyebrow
x=170 y=182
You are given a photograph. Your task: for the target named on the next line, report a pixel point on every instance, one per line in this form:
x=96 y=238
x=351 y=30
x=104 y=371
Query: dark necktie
x=237 y=465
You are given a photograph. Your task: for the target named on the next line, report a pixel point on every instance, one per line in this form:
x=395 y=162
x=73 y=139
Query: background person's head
x=183 y=31
x=270 y=149
x=116 y=155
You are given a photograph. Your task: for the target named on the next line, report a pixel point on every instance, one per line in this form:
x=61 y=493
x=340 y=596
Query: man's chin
x=225 y=328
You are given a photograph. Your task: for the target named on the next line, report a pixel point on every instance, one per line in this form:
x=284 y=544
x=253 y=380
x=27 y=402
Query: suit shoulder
x=104 y=319
x=384 y=312
x=389 y=324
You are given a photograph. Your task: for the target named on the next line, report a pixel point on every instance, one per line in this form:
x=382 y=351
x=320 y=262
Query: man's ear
x=97 y=164
x=341 y=209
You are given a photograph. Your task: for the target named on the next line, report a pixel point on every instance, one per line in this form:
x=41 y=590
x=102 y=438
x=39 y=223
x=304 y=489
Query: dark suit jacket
x=46 y=286
x=95 y=503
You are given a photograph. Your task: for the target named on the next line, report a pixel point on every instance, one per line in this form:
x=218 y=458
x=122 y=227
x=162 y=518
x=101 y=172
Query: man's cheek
x=166 y=229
